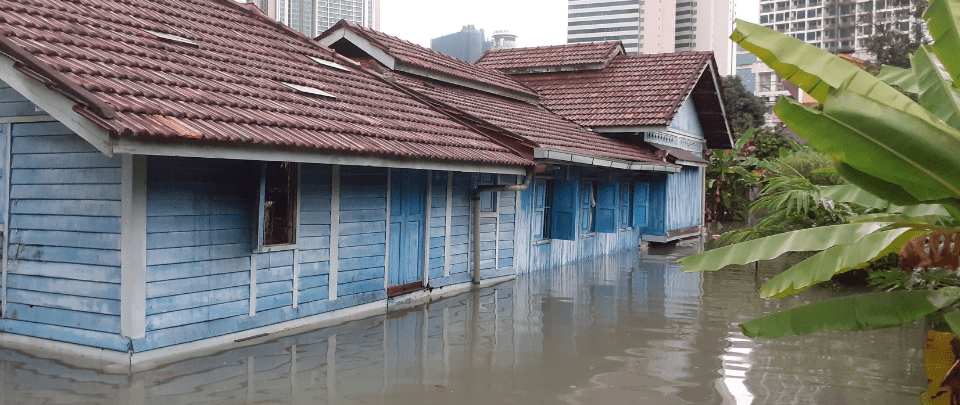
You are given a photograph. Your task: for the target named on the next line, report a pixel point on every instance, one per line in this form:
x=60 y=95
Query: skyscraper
x=468 y=44
x=837 y=26
x=312 y=17
x=656 y=26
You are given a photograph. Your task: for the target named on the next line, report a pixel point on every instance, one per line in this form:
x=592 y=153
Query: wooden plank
x=199 y=205
x=314 y=242
x=49 y=142
x=360 y=287
x=106 y=241
x=360 y=228
x=196 y=315
x=195 y=269
x=57 y=254
x=63 y=161
x=184 y=223
x=196 y=284
x=362 y=251
x=313 y=269
x=105 y=274
x=315 y=218
x=448 y=225
x=317 y=255
x=362 y=240
x=314 y=294
x=361 y=275
x=64 y=286
x=197 y=299
x=348 y=216
x=92 y=208
x=109 y=341
x=315 y=230
x=165 y=240
x=334 y=230
x=109 y=192
x=196 y=253
x=61 y=317
x=274 y=274
x=362 y=263
x=266 y=289
x=65 y=176
x=364 y=203
x=275 y=301
x=311 y=282
x=61 y=301
x=66 y=223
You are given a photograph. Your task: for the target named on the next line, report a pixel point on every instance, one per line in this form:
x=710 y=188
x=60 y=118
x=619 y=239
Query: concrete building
x=313 y=17
x=762 y=81
x=835 y=26
x=468 y=44
x=656 y=26
x=504 y=40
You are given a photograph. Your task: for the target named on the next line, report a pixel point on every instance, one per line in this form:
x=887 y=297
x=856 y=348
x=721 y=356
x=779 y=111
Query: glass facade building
x=312 y=17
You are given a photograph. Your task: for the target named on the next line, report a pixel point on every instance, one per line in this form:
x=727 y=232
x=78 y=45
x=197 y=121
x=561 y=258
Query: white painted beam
x=426 y=229
x=386 y=255
x=133 y=246
x=55 y=104
x=252 y=152
x=449 y=227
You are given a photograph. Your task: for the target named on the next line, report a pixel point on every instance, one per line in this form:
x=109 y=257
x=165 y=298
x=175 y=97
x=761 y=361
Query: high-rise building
x=656 y=26
x=837 y=26
x=468 y=44
x=312 y=17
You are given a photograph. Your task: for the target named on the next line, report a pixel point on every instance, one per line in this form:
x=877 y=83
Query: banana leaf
x=835 y=260
x=853 y=194
x=876 y=186
x=883 y=142
x=899 y=77
x=943 y=24
x=861 y=312
x=817 y=72
x=936 y=93
x=953 y=321
x=771 y=247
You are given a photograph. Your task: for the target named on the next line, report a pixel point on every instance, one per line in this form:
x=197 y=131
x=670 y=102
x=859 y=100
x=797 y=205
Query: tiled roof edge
x=691 y=83
x=32 y=66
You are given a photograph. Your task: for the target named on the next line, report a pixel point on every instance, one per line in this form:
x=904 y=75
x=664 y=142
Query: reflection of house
x=185 y=179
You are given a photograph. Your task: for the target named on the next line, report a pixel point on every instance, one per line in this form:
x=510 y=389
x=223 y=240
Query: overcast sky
x=535 y=22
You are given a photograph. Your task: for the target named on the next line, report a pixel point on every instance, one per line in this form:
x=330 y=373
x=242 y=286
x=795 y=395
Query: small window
x=328 y=63
x=279 y=190
x=172 y=38
x=543 y=208
x=309 y=90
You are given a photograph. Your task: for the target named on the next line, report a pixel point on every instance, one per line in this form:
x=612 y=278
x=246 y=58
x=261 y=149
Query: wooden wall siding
x=64 y=266
x=657 y=207
x=687 y=119
x=13 y=104
x=363 y=238
x=314 y=233
x=200 y=218
x=534 y=255
x=274 y=280
x=684 y=199
x=438 y=224
x=460 y=249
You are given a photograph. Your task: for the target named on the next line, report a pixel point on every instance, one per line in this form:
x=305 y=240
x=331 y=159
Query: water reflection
x=613 y=330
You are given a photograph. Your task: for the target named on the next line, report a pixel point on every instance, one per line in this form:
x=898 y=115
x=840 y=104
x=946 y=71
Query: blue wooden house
x=181 y=174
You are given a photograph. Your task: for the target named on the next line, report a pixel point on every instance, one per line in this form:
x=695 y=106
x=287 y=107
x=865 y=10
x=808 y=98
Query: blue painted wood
x=274 y=301
x=626 y=212
x=197 y=284
x=273 y=274
x=683 y=199
x=641 y=198
x=565 y=210
x=687 y=119
x=313 y=269
x=197 y=315
x=656 y=207
x=109 y=341
x=103 y=241
x=69 y=271
x=311 y=282
x=191 y=269
x=197 y=299
x=360 y=287
x=63 y=160
x=63 y=286
x=62 y=301
x=66 y=318
x=273 y=288
x=406 y=224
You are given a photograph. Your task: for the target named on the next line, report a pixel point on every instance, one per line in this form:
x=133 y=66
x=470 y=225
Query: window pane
x=280 y=204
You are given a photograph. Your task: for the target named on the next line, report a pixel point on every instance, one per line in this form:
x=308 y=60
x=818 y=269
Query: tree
x=893 y=47
x=899 y=155
x=744 y=109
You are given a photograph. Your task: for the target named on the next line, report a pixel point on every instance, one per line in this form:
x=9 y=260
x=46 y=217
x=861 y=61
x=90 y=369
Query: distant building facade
x=656 y=26
x=313 y=17
x=762 y=81
x=504 y=40
x=836 y=26
x=468 y=44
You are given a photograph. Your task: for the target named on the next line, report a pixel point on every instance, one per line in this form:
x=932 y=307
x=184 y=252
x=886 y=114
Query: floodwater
x=619 y=330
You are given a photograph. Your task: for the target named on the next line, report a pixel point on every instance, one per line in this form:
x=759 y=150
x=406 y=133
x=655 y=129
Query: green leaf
x=876 y=186
x=835 y=260
x=914 y=153
x=771 y=247
x=817 y=72
x=851 y=193
x=746 y=137
x=921 y=210
x=861 y=312
x=953 y=321
x=943 y=24
x=899 y=77
x=936 y=93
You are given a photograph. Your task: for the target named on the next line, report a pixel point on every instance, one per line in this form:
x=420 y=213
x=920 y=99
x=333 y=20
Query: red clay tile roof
x=552 y=58
x=434 y=61
x=527 y=120
x=634 y=90
x=228 y=87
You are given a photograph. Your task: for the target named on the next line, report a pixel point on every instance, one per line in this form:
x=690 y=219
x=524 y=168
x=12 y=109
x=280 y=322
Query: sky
x=535 y=22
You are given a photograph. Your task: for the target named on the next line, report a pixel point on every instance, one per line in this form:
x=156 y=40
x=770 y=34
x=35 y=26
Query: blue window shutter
x=564 y=210
x=626 y=220
x=641 y=197
x=539 y=200
x=606 y=207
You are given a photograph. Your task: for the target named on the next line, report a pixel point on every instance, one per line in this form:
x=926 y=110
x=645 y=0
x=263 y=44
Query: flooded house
x=186 y=174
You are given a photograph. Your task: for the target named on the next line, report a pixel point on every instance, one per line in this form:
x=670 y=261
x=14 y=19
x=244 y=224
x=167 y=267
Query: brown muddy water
x=619 y=330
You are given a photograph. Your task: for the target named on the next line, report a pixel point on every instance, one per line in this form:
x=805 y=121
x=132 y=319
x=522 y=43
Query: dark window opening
x=279 y=203
x=546 y=202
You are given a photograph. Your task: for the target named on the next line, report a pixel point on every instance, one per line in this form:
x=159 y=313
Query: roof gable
x=232 y=85
x=560 y=58
x=404 y=56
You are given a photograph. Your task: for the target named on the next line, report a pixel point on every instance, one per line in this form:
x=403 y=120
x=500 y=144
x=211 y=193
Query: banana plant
x=900 y=156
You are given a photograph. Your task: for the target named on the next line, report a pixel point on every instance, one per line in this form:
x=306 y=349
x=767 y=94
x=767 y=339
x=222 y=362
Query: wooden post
x=334 y=231
x=133 y=246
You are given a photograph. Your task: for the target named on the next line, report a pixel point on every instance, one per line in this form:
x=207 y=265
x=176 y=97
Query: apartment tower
x=313 y=17
x=656 y=26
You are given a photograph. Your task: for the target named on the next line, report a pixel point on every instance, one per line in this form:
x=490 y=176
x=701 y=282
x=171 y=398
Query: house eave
x=553 y=155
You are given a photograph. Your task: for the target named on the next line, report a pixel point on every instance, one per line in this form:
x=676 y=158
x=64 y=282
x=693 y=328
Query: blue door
x=407 y=202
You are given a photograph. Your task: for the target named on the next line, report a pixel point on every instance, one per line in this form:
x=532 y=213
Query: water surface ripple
x=618 y=330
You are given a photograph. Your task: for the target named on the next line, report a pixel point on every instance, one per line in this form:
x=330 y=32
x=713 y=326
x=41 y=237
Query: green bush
x=807 y=162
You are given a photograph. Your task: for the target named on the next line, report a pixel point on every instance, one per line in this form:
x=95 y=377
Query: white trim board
x=563 y=156
x=133 y=246
x=259 y=153
x=55 y=104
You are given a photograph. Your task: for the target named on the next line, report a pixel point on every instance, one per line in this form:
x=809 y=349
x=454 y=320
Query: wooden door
x=407 y=215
